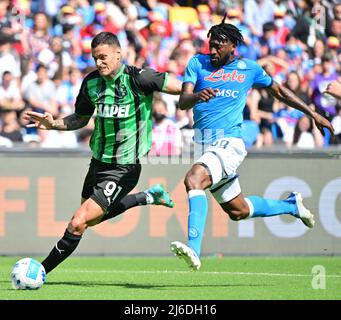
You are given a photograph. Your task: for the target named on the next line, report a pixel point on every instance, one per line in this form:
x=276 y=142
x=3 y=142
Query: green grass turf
x=142 y=278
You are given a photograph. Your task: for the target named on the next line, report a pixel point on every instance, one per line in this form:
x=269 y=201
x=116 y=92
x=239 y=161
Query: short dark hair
x=105 y=38
x=67 y=27
x=268 y=26
x=5 y=38
x=41 y=66
x=6 y=73
x=224 y=31
x=327 y=57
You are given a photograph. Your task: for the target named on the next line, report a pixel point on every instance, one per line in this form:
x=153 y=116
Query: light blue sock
x=196 y=219
x=260 y=207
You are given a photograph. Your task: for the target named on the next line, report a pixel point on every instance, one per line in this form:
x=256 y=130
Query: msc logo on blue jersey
x=227 y=93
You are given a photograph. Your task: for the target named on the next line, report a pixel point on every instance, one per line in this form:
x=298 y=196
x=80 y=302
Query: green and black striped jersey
x=123 y=124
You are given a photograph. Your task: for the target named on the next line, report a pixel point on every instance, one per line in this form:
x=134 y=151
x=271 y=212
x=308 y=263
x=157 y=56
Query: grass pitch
x=150 y=278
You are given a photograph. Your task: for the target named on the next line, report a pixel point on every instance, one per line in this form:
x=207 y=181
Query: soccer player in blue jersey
x=216 y=86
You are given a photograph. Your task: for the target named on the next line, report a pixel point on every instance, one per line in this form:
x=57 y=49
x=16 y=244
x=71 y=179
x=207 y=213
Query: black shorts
x=107 y=183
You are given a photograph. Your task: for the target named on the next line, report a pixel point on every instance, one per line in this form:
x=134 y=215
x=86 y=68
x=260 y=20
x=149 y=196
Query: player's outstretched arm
x=188 y=98
x=45 y=121
x=173 y=86
x=286 y=96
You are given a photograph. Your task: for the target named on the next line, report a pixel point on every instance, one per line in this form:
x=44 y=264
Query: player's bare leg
x=237 y=208
x=90 y=214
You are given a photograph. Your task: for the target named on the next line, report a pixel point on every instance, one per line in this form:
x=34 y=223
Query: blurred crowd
x=45 y=53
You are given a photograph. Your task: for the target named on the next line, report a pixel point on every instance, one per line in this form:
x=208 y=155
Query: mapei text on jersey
x=113 y=110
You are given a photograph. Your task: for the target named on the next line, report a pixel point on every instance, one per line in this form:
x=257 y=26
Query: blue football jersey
x=222 y=116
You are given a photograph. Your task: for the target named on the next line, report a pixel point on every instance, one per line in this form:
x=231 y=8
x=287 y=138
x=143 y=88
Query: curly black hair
x=224 y=31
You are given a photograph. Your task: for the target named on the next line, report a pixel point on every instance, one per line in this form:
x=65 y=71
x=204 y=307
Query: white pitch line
x=200 y=272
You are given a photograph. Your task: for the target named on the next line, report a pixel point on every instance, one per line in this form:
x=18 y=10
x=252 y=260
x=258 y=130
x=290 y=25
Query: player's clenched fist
x=207 y=94
x=321 y=123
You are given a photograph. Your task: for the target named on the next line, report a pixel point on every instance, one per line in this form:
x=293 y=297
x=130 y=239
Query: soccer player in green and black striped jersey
x=122 y=97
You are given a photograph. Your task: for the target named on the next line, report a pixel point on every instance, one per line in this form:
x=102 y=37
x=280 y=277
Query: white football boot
x=302 y=212
x=182 y=251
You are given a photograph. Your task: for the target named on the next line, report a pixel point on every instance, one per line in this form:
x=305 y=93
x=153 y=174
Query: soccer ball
x=28 y=273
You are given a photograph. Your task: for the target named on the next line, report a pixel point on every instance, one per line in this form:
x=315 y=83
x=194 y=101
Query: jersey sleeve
x=83 y=104
x=262 y=79
x=149 y=80
x=191 y=71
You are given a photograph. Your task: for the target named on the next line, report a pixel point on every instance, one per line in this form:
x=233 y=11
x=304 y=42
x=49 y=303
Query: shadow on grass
x=128 y=285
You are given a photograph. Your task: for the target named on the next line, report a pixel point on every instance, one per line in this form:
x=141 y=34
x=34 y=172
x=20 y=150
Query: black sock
x=127 y=202
x=64 y=247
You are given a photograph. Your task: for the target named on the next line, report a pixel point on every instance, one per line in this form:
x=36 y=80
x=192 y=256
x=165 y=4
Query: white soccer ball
x=28 y=273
